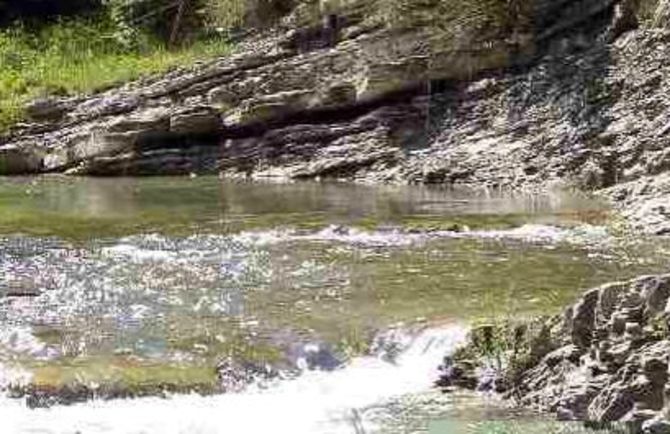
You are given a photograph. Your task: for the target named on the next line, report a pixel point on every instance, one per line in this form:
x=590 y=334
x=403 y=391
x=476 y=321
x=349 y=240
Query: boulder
x=617 y=371
x=656 y=426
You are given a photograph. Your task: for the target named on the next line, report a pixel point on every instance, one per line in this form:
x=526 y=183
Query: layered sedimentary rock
x=577 y=96
x=604 y=359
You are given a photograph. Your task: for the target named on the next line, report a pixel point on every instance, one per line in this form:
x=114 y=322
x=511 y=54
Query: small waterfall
x=315 y=402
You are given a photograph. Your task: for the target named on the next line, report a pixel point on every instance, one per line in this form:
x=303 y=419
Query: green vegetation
x=82 y=46
x=70 y=48
x=73 y=57
x=509 y=346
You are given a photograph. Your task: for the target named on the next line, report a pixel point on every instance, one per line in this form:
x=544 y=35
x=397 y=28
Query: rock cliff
x=575 y=93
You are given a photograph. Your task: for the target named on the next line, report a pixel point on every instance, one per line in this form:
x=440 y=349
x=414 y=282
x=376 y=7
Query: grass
x=81 y=57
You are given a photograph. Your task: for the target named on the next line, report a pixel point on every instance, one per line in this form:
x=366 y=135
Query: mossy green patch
x=124 y=375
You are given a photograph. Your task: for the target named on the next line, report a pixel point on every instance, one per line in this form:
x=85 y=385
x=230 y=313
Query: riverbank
x=604 y=359
x=577 y=100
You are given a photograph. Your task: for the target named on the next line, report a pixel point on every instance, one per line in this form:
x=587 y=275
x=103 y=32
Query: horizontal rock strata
x=576 y=97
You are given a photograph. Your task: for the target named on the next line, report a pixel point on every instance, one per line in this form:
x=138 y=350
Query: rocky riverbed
x=325 y=303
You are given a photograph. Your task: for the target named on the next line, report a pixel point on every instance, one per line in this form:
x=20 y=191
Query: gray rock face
x=579 y=100
x=599 y=372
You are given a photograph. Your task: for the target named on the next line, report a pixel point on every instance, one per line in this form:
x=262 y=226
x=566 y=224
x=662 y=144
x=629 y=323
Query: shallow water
x=352 y=293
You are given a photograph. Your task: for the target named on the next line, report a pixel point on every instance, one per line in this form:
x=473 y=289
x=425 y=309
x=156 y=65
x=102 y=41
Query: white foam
x=316 y=402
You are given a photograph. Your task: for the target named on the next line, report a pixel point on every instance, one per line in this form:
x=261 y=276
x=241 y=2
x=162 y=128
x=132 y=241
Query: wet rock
x=339 y=93
x=656 y=293
x=619 y=321
x=571 y=353
x=17 y=161
x=45 y=396
x=459 y=373
x=314 y=356
x=582 y=322
x=565 y=414
x=615 y=367
x=656 y=369
x=323 y=35
x=633 y=329
x=235 y=376
x=389 y=344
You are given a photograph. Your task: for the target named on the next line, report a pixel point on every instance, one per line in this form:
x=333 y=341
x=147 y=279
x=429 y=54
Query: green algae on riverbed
x=332 y=292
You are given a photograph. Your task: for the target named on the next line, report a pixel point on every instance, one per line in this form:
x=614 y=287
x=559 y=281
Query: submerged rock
x=235 y=376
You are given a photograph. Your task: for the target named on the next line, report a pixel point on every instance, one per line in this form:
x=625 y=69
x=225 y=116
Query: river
x=178 y=305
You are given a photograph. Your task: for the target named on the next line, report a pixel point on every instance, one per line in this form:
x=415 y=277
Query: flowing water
x=248 y=308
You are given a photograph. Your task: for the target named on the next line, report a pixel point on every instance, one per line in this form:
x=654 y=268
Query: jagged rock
x=656 y=293
x=340 y=93
x=273 y=106
x=570 y=353
x=235 y=376
x=656 y=426
x=222 y=96
x=602 y=375
x=583 y=319
x=458 y=373
x=152 y=119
